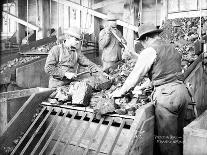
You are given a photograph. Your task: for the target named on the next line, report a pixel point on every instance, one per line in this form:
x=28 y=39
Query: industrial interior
x=85 y=116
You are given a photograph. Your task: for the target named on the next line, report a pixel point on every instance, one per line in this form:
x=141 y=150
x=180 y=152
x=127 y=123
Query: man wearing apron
x=63 y=59
x=162 y=62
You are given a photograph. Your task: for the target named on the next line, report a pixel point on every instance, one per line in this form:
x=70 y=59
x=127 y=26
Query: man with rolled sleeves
x=162 y=62
x=61 y=63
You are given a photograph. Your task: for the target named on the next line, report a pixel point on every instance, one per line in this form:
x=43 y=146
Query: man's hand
x=126 y=54
x=137 y=91
x=70 y=75
x=116 y=94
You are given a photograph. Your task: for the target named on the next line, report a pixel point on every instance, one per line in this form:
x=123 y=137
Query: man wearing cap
x=62 y=60
x=162 y=62
x=110 y=46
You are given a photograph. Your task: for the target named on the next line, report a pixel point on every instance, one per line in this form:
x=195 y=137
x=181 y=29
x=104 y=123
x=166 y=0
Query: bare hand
x=116 y=94
x=70 y=75
x=126 y=54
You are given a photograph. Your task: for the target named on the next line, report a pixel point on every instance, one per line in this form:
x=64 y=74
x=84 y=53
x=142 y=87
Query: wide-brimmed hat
x=146 y=29
x=73 y=31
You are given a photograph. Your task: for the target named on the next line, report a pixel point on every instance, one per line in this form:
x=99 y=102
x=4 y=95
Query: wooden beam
x=187 y=14
x=17 y=94
x=105 y=3
x=95 y=13
x=140 y=11
x=18 y=20
x=3 y=114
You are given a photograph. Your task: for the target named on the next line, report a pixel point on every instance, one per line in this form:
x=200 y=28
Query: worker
x=162 y=62
x=110 y=46
x=62 y=61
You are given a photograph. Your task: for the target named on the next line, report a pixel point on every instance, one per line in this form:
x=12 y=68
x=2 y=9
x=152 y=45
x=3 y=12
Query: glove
x=70 y=75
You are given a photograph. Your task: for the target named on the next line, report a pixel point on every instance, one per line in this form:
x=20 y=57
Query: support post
x=44 y=13
x=128 y=16
x=3 y=115
x=20 y=12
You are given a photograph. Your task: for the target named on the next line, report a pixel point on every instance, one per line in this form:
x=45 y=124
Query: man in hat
x=110 y=46
x=162 y=62
x=62 y=60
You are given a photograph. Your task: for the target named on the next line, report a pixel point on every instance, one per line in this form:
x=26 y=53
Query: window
x=9 y=26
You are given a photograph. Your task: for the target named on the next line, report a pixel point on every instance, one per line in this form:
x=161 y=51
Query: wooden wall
x=151 y=11
x=197 y=84
x=186 y=8
x=63 y=16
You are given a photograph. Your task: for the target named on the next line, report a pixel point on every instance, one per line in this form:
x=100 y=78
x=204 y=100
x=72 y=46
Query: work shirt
x=158 y=62
x=110 y=45
x=170 y=96
x=61 y=60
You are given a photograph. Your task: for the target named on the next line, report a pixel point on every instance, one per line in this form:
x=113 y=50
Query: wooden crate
x=195 y=136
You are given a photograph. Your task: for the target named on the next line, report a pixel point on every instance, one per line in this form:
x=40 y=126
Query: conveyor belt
x=51 y=121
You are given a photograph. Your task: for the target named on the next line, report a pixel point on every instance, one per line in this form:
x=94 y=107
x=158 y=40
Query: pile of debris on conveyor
x=130 y=102
x=184 y=32
x=102 y=87
x=77 y=93
x=80 y=92
x=15 y=62
x=44 y=48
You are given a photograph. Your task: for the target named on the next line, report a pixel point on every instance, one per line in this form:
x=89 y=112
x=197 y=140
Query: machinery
x=76 y=130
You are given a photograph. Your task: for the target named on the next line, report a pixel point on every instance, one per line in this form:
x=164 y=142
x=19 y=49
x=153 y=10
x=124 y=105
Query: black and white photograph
x=103 y=77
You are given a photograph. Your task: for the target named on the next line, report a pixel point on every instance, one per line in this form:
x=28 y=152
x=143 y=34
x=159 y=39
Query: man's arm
x=143 y=65
x=51 y=64
x=84 y=61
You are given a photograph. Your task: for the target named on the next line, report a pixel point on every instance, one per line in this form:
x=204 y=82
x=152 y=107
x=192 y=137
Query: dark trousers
x=170 y=102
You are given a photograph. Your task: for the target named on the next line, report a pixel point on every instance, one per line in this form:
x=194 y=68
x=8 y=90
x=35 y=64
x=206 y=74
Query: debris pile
x=15 y=62
x=98 y=88
x=44 y=48
x=101 y=103
x=184 y=32
x=130 y=102
x=98 y=82
x=78 y=93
